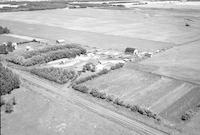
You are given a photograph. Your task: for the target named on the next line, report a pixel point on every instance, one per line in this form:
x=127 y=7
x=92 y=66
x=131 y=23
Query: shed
x=130 y=50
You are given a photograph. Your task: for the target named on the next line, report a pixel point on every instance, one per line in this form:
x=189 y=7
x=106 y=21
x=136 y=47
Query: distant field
x=141 y=28
x=156 y=93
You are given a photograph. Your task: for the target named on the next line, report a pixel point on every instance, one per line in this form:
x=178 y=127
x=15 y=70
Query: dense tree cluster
x=47 y=55
x=4 y=30
x=58 y=75
x=52 y=48
x=8 y=80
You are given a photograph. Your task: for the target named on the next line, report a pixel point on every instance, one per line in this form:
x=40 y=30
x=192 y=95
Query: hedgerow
x=8 y=80
x=58 y=75
x=115 y=100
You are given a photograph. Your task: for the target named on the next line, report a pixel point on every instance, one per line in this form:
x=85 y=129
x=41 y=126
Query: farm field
x=143 y=29
x=180 y=62
x=166 y=97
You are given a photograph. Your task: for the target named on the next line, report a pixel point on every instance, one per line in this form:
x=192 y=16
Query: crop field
x=161 y=95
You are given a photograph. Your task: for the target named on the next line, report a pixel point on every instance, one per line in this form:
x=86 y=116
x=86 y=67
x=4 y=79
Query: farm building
x=129 y=50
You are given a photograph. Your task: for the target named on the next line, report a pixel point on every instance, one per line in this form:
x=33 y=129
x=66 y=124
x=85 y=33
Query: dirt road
x=57 y=93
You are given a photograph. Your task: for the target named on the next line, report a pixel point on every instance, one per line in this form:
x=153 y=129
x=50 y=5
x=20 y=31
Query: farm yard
x=101 y=68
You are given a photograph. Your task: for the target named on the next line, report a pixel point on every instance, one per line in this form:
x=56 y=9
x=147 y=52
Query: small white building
x=59 y=41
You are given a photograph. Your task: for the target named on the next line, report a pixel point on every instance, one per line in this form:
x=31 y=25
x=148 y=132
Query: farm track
x=26 y=37
x=56 y=93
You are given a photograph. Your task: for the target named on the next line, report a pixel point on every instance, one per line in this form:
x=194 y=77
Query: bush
x=8 y=80
x=89 y=67
x=117 y=101
x=58 y=75
x=128 y=106
x=8 y=107
x=103 y=95
x=104 y=71
x=134 y=108
x=185 y=117
x=117 y=66
x=110 y=98
x=80 y=88
x=94 y=93
x=4 y=30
